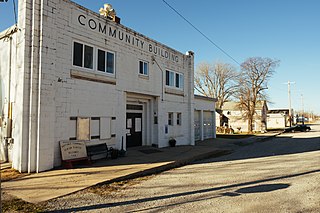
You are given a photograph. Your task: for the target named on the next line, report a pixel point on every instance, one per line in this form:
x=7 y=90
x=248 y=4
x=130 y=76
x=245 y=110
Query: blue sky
x=288 y=30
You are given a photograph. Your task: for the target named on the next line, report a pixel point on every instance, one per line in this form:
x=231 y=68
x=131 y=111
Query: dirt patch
x=12 y=204
x=108 y=189
x=10 y=174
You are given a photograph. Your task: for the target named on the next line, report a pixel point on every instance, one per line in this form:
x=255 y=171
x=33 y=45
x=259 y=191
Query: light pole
x=289 y=99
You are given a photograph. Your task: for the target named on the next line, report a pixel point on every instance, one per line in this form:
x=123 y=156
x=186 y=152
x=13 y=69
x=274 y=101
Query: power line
x=194 y=27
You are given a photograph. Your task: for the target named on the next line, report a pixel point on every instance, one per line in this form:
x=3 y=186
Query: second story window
x=106 y=61
x=143 y=68
x=169 y=78
x=82 y=55
x=174 y=79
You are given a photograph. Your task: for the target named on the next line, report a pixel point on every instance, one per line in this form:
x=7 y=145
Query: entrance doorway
x=134 y=128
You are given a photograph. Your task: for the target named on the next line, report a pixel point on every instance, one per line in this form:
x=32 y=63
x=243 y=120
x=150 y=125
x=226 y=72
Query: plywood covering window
x=83 y=128
x=91 y=128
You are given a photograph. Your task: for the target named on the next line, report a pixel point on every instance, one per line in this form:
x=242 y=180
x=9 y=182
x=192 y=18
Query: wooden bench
x=97 y=150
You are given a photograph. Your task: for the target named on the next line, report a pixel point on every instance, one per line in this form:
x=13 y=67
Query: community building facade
x=69 y=74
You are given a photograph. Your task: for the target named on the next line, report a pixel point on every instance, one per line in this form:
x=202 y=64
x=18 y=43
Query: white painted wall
x=206 y=117
x=48 y=89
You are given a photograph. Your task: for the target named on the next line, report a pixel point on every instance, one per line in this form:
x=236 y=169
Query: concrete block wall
x=52 y=94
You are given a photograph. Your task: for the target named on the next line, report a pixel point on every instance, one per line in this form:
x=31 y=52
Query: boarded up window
x=105 y=127
x=83 y=128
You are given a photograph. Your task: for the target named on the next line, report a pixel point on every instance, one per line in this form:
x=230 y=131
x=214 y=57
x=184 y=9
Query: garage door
x=208 y=125
x=197 y=135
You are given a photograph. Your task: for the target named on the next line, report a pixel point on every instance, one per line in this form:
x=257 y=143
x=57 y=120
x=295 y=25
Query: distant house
x=278 y=118
x=239 y=123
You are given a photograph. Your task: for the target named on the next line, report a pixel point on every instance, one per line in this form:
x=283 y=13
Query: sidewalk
x=138 y=161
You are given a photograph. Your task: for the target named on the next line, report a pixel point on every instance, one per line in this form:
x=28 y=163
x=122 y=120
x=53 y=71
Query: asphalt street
x=277 y=175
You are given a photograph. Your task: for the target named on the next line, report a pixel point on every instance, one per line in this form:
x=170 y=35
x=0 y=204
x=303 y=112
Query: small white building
x=69 y=74
x=278 y=118
x=204 y=117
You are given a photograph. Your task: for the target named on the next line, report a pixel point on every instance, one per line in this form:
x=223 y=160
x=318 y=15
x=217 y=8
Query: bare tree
x=253 y=80
x=218 y=81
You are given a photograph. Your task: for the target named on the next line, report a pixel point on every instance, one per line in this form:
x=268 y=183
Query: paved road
x=279 y=175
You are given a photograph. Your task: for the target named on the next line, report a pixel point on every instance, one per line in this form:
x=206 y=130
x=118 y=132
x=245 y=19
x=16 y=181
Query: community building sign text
x=129 y=39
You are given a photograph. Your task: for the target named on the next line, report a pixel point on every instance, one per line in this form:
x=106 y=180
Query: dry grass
x=10 y=174
x=108 y=189
x=13 y=204
x=10 y=203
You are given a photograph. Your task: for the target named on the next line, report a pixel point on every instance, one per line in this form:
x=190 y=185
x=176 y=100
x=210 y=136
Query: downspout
x=34 y=86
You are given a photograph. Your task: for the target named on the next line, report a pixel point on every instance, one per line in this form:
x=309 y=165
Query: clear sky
x=288 y=30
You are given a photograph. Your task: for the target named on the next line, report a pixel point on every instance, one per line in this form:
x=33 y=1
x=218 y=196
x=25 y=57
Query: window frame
x=95 y=59
x=84 y=44
x=143 y=68
x=170 y=118
x=106 y=61
x=172 y=81
x=179 y=118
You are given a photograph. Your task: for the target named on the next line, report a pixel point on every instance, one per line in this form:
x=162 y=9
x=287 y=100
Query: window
x=106 y=61
x=82 y=55
x=179 y=81
x=169 y=78
x=179 y=118
x=143 y=68
x=77 y=54
x=170 y=118
x=174 y=79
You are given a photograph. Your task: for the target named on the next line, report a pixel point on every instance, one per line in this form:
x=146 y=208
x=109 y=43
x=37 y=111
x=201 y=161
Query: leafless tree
x=216 y=81
x=255 y=75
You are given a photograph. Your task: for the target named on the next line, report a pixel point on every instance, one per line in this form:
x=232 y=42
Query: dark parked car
x=298 y=128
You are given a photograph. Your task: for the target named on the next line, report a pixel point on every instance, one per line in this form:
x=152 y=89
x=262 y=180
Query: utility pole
x=289 y=99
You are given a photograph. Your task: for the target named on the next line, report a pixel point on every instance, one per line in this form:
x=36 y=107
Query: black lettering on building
x=102 y=30
x=79 y=19
x=112 y=34
x=120 y=36
x=128 y=38
x=92 y=24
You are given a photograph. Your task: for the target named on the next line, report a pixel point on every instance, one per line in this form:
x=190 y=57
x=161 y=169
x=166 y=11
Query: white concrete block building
x=69 y=74
x=204 y=117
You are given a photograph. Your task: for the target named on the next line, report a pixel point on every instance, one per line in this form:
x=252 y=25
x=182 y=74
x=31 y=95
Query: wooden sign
x=73 y=150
